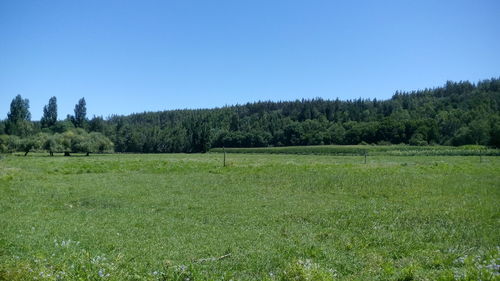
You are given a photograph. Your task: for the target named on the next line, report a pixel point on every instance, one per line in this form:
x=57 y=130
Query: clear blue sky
x=135 y=56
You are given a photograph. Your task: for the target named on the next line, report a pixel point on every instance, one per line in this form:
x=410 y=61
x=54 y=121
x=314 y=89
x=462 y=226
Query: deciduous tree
x=80 y=117
x=49 y=117
x=18 y=119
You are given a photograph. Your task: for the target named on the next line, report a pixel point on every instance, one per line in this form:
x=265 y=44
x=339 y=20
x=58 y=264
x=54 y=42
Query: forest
x=458 y=113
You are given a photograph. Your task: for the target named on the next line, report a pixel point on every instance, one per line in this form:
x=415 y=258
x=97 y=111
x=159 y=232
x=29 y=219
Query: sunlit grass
x=386 y=150
x=276 y=217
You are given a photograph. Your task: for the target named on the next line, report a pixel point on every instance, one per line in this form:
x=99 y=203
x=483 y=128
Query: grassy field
x=387 y=150
x=263 y=217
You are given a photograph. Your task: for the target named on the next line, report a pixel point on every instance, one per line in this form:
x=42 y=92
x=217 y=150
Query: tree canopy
x=49 y=117
x=80 y=117
x=72 y=141
x=18 y=118
x=458 y=113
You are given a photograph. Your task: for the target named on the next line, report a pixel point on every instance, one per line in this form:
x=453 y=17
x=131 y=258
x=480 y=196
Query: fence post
x=365 y=156
x=224 y=150
x=480 y=156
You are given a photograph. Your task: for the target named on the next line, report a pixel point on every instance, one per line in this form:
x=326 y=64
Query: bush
x=73 y=141
x=418 y=139
x=4 y=143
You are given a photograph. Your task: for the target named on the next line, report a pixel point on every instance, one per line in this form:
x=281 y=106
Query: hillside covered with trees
x=458 y=113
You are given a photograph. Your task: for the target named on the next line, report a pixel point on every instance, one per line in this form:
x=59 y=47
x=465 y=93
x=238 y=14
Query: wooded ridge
x=458 y=113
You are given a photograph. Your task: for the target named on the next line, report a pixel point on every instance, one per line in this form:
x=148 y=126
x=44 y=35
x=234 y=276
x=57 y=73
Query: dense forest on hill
x=458 y=113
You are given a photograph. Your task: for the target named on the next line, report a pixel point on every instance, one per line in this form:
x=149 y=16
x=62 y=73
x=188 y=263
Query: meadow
x=387 y=150
x=262 y=217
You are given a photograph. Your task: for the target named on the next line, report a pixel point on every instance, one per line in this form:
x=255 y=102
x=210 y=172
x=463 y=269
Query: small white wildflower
x=65 y=243
x=495 y=267
x=102 y=273
x=333 y=272
x=460 y=260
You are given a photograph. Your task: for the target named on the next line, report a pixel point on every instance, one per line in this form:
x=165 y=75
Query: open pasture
x=263 y=217
x=386 y=150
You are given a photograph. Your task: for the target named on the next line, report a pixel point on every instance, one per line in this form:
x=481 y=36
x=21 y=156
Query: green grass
x=388 y=150
x=274 y=217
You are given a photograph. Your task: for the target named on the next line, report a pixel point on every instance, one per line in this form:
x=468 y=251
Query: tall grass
x=390 y=150
x=262 y=217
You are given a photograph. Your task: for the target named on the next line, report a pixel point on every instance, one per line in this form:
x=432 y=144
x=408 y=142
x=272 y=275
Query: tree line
x=19 y=133
x=457 y=113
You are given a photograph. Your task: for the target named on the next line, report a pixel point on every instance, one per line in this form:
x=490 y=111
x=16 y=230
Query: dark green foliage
x=18 y=119
x=63 y=126
x=459 y=113
x=19 y=109
x=80 y=118
x=20 y=128
x=495 y=132
x=456 y=114
x=4 y=143
x=49 y=117
x=2 y=127
x=97 y=124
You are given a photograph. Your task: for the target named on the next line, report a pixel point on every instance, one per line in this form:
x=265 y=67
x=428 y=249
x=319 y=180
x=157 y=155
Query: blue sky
x=135 y=56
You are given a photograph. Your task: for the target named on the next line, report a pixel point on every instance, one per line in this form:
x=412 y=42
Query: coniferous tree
x=455 y=114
